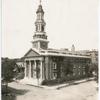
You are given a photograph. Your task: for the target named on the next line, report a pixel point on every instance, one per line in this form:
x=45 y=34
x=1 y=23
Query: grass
x=11 y=93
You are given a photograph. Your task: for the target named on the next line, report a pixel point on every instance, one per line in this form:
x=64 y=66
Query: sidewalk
x=59 y=86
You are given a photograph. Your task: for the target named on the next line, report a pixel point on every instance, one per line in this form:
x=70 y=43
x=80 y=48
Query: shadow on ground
x=11 y=93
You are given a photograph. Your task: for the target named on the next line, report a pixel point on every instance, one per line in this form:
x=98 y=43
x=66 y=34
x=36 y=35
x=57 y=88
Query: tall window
x=79 y=70
x=83 y=70
x=54 y=70
x=74 y=71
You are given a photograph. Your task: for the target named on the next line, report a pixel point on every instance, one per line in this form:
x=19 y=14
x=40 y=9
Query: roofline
x=76 y=56
x=30 y=50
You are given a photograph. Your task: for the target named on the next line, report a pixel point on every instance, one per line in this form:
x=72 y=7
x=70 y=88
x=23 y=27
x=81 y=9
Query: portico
x=34 y=68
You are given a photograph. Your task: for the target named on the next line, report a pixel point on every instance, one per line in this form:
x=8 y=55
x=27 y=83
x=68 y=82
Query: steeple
x=40 y=2
x=40 y=23
x=40 y=37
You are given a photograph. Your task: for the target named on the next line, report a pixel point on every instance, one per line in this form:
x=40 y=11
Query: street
x=82 y=91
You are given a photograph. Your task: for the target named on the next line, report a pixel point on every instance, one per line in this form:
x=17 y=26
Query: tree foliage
x=95 y=69
x=68 y=69
x=8 y=69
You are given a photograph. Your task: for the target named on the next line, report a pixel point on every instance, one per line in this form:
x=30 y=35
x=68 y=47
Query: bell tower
x=40 y=37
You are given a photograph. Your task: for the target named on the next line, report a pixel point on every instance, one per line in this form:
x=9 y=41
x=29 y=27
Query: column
x=35 y=68
x=25 y=68
x=46 y=67
x=41 y=74
x=50 y=74
x=32 y=67
x=39 y=45
x=29 y=68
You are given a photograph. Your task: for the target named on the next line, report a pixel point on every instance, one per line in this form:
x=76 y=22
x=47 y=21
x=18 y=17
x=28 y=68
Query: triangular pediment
x=31 y=53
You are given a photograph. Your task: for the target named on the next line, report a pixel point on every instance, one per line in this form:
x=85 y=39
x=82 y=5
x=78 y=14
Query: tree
x=87 y=70
x=68 y=69
x=94 y=68
x=9 y=68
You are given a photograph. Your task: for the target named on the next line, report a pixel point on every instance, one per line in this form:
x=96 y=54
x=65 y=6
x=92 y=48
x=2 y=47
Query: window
x=79 y=70
x=54 y=70
x=74 y=70
x=54 y=75
x=79 y=73
x=54 y=66
x=83 y=70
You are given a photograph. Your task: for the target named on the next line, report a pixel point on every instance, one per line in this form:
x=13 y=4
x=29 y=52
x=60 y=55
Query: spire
x=40 y=38
x=40 y=7
x=40 y=10
x=40 y=23
x=40 y=2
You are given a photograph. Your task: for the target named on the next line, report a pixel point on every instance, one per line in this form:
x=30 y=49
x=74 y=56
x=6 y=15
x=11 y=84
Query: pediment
x=31 y=53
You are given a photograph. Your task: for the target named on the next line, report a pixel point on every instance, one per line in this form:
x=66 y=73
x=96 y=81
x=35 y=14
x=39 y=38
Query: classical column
x=29 y=69
x=35 y=68
x=38 y=45
x=43 y=70
x=32 y=65
x=25 y=68
x=46 y=67
x=41 y=75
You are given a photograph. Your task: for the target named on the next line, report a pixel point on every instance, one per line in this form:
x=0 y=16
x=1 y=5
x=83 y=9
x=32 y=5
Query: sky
x=67 y=22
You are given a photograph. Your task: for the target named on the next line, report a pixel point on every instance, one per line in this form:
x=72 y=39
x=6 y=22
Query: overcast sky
x=67 y=22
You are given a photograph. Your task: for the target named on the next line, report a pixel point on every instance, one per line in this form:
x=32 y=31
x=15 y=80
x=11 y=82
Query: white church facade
x=42 y=63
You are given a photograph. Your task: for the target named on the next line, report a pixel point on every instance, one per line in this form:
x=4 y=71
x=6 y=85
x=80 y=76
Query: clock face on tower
x=44 y=45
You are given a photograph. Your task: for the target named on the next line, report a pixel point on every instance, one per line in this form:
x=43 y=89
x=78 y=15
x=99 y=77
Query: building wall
x=66 y=67
x=56 y=67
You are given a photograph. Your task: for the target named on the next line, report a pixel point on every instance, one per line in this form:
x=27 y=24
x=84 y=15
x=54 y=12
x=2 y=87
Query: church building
x=42 y=63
